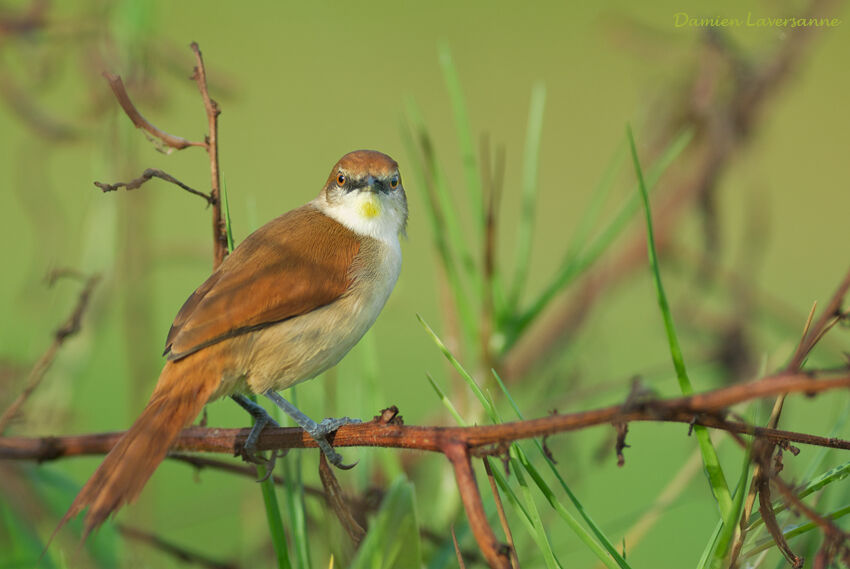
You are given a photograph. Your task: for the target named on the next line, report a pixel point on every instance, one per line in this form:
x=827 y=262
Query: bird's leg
x=319 y=431
x=261 y=419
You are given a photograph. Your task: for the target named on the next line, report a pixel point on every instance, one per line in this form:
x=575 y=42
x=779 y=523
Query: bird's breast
x=303 y=347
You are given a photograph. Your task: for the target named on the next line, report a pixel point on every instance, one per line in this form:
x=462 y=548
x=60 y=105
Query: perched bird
x=287 y=304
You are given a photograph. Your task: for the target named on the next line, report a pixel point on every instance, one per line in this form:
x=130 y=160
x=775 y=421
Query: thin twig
x=832 y=533
x=68 y=329
x=130 y=109
x=336 y=500
x=213 y=110
x=147 y=175
x=828 y=318
x=503 y=519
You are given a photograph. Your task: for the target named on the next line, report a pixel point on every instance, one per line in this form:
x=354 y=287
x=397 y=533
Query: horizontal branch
x=701 y=409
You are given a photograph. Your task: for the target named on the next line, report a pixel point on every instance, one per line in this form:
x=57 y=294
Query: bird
x=287 y=304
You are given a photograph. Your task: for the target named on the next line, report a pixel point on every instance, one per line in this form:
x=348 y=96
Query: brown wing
x=292 y=265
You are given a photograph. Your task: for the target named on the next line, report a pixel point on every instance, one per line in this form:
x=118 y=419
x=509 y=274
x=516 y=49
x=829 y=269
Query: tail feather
x=183 y=389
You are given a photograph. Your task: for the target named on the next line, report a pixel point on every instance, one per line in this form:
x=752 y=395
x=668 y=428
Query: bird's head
x=364 y=192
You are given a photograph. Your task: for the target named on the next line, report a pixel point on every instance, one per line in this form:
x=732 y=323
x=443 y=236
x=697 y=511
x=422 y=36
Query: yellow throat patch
x=370 y=207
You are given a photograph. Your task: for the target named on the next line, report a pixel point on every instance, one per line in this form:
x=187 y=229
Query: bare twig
x=213 y=110
x=832 y=533
x=336 y=500
x=147 y=175
x=509 y=538
x=828 y=318
x=117 y=85
x=210 y=144
x=69 y=328
x=460 y=563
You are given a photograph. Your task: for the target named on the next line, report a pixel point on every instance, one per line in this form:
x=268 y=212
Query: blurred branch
x=23 y=104
x=173 y=550
x=724 y=120
x=68 y=329
x=34 y=18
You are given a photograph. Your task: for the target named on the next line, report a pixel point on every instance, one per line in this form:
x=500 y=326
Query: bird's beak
x=374 y=185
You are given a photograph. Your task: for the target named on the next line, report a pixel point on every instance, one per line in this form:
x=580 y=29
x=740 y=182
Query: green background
x=302 y=83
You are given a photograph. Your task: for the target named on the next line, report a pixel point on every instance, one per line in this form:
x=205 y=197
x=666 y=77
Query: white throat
x=365 y=214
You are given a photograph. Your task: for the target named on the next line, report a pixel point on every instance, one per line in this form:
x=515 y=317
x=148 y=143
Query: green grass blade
x=446 y=402
x=580 y=255
x=520 y=463
x=530 y=166
x=705 y=558
x=225 y=206
x=393 y=537
x=538 y=529
x=615 y=560
x=717 y=479
x=730 y=522
x=470 y=381
x=275 y=522
x=293 y=489
x=464 y=135
x=539 y=532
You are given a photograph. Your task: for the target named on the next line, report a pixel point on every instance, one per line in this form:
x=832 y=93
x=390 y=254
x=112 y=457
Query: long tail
x=181 y=392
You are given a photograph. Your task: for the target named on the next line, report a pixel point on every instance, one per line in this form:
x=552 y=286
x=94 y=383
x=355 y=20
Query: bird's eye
x=340 y=180
x=394 y=182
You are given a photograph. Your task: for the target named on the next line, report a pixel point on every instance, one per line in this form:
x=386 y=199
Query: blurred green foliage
x=300 y=84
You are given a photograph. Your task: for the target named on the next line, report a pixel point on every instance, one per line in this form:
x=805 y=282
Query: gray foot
x=319 y=431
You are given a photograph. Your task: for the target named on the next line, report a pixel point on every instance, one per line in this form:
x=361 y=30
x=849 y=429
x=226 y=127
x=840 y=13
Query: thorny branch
x=459 y=444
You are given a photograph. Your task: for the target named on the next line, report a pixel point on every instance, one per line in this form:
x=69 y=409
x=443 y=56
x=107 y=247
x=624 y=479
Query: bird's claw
x=320 y=433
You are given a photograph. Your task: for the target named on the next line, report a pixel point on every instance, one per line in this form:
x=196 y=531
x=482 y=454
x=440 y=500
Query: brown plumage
x=287 y=304
x=291 y=266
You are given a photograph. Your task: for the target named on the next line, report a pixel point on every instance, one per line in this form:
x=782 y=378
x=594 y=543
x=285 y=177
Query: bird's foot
x=320 y=431
x=262 y=419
